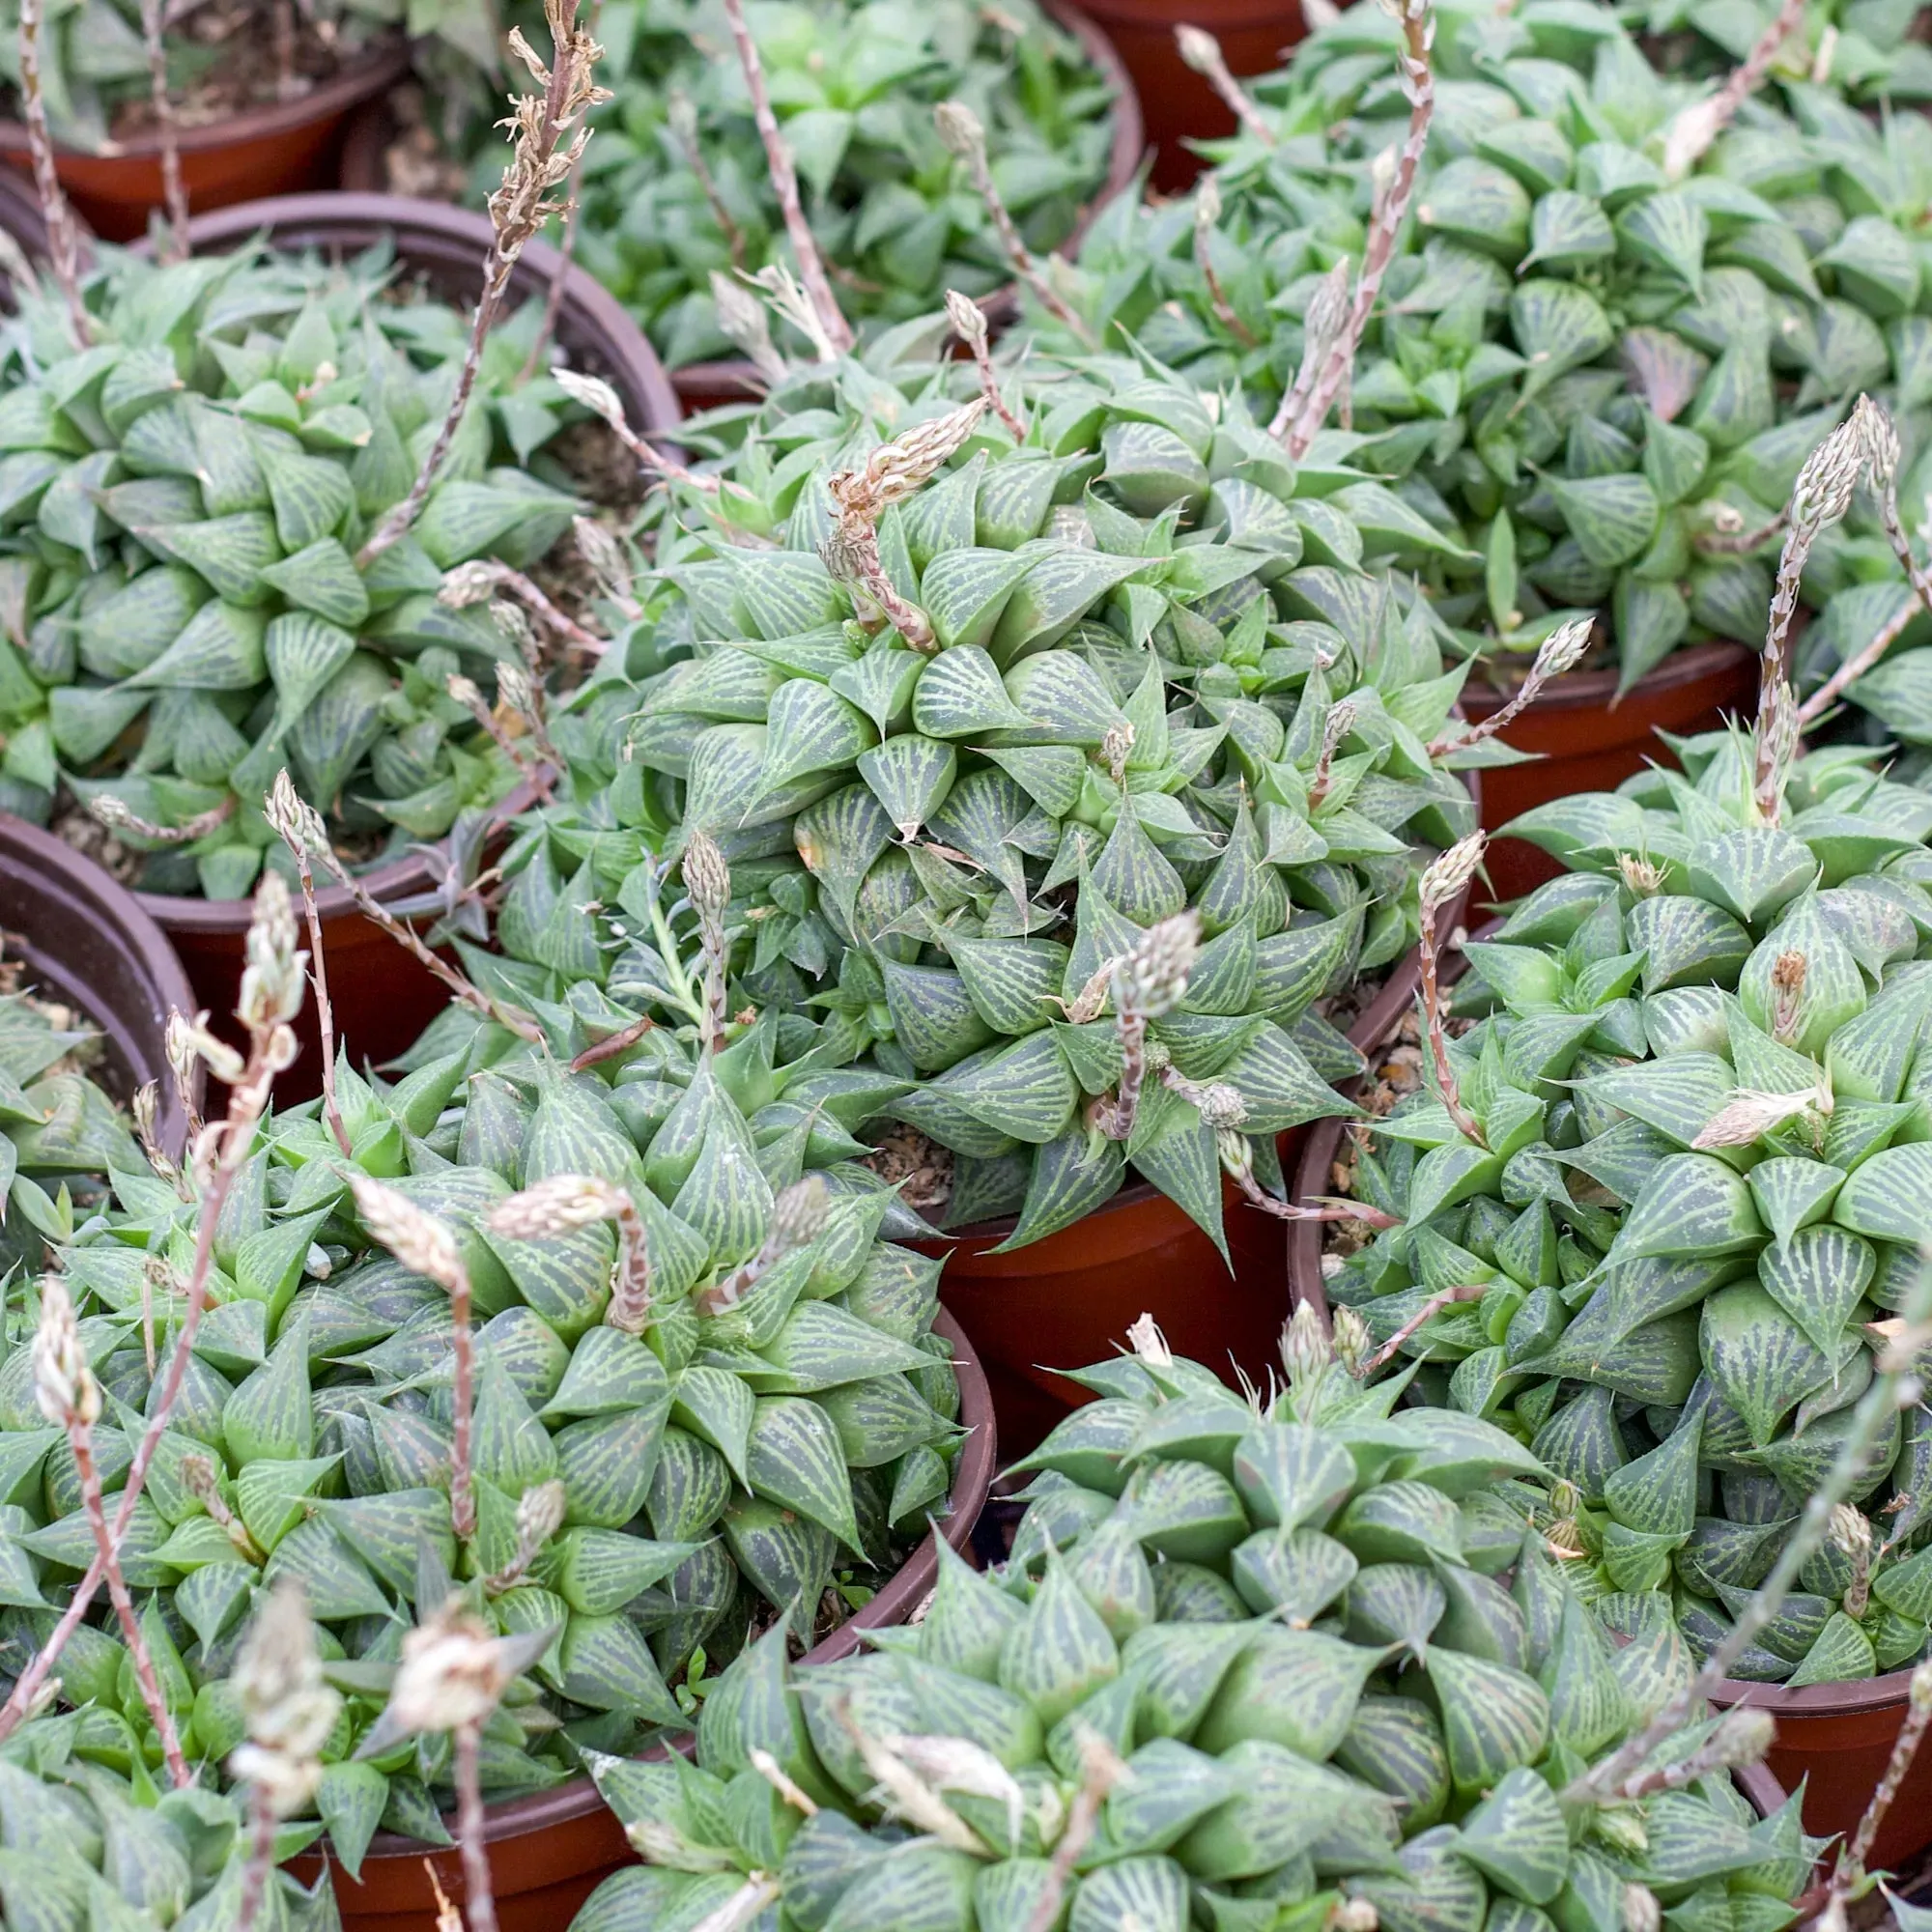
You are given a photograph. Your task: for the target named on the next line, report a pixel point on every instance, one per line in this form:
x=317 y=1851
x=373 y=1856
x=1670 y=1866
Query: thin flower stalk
x=1850 y=1868
x=1101 y=1769
x=199 y=1478
x=546 y=152
x=1202 y=52
x=528 y=767
x=1206 y=217
x=707 y=883
x=861 y=497
x=299 y=827
x=1689 y=137
x=1335 y=729
x=1855 y=667
x=1321 y=325
x=597 y=397
x=613 y=1045
x=174 y=193
x=681 y=115
x=105 y=809
x=566 y=1201
x=271 y=996
x=566 y=250
x=969 y=324
x=1896 y=1388
x=600 y=549
x=1443 y=883
x=540 y=1514
x=1447 y=1297
x=1560 y=652
x=961 y=128
x=1418 y=26
x=63 y=239
x=741 y=321
x=69 y=1399
x=146 y=1109
x=424 y=1244
x=1150 y=981
x=797 y=1218
x=481 y=578
x=1728 y=537
x=837 y=332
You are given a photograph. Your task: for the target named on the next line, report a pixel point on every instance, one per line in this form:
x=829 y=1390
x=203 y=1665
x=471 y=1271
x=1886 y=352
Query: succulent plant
x=1666 y=1260
x=180 y=507
x=1136 y=671
x=1605 y=350
x=1248 y=1666
x=677 y=189
x=702 y=1391
x=84 y=1838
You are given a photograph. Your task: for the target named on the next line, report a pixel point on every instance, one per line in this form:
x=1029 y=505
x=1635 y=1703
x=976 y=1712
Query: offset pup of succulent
x=1246 y=1661
x=972 y=719
x=676 y=193
x=1629 y=303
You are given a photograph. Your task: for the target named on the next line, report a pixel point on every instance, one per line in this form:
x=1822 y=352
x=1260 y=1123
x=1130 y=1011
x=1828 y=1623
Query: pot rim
x=1592 y=690
x=1124 y=161
x=1855 y=1696
x=76 y=878
x=898 y=1598
x=369 y=71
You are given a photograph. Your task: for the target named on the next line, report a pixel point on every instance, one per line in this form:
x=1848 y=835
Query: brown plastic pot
x=86 y=942
x=1834 y=1738
x=550 y=1852
x=382 y=997
x=1180 y=106
x=275 y=150
x=709 y=385
x=1591 y=741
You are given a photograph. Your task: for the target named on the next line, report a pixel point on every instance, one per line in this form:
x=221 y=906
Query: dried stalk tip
x=557 y=1206
x=1151 y=979
x=271 y=976
x=1146 y=1342
x=707 y=877
x=419 y=1240
x=1447 y=875
x=64 y=1385
x=288 y=1709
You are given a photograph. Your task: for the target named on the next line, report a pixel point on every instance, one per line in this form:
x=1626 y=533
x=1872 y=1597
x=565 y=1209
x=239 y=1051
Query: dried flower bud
x=1742 y=1736
x=191 y=1040
x=555 y=1206
x=1152 y=979
x=1114 y=747
x=465 y=691
x=271 y=979
x=798 y=1215
x=540 y=1514
x=968 y=320
x=113 y=812
x=1563 y=649
x=1641 y=1912
x=895 y=469
x=1354 y=1344
x=1199 y=49
x=64 y=1385
x=419 y=1240
x=1822 y=491
x=593 y=393
x=1219 y=1105
x=1306 y=1348
x=1748 y=1116
x=453 y=1673
x=599 y=549
x=288 y=1710
x=1850 y=1531
x=1146 y=1342
x=707 y=877
x=198 y=1478
x=959 y=128
x=741 y=321
x=1351 y=1915
x=1879 y=439
x=1787 y=993
x=1206 y=199
x=1446 y=875
x=294 y=821
x=1640 y=875
x=466 y=584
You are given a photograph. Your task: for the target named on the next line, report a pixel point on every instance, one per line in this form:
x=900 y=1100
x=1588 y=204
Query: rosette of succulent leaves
x=1247 y=1667
x=1686 y=1192
x=1143 y=688
x=675 y=186
x=1611 y=332
x=86 y=1837
x=181 y=510
x=697 y=1391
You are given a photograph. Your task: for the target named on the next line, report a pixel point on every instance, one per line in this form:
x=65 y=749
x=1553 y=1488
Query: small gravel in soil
x=416 y=163
x=231 y=44
x=904 y=1153
x=85 y=834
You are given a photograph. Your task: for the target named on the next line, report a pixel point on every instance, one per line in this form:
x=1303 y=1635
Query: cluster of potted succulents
x=933 y=855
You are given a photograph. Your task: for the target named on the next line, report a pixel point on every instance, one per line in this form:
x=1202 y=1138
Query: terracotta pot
x=273 y=149
x=548 y=1853
x=1590 y=741
x=1180 y=106
x=382 y=997
x=1835 y=1739
x=86 y=942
